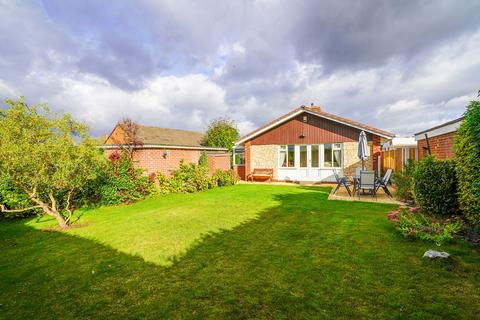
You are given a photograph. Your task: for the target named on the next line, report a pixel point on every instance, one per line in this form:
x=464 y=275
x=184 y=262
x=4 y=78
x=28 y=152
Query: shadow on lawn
x=297 y=260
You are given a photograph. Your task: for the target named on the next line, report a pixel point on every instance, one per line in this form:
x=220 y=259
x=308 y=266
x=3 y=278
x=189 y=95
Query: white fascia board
x=452 y=127
x=159 y=146
x=309 y=112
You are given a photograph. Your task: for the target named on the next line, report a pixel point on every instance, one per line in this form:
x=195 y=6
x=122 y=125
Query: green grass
x=249 y=251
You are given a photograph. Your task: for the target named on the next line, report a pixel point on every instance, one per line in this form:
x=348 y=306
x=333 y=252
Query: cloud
x=399 y=66
x=186 y=102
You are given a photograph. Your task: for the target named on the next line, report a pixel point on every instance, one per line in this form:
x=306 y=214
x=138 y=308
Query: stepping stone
x=433 y=254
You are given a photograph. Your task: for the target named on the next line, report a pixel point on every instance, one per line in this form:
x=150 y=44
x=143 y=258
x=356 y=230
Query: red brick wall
x=247 y=157
x=441 y=146
x=153 y=160
x=376 y=151
x=221 y=161
x=240 y=170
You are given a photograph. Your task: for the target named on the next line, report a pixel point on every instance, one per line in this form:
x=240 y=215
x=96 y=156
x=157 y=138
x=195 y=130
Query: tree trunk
x=61 y=221
x=50 y=210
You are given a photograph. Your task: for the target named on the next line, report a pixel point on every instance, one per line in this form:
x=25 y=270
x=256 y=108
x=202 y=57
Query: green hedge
x=403 y=181
x=467 y=151
x=435 y=186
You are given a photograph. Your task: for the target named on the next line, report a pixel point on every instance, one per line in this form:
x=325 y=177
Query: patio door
x=312 y=163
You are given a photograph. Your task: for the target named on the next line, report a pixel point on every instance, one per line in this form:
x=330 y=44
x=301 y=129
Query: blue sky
x=399 y=65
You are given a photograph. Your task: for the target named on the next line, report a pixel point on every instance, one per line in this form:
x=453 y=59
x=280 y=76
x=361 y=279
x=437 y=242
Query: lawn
x=248 y=251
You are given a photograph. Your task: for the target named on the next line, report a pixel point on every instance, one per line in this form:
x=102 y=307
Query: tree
x=467 y=154
x=47 y=156
x=221 y=133
x=130 y=140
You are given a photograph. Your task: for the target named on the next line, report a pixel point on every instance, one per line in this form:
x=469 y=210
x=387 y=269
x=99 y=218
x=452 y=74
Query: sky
x=401 y=66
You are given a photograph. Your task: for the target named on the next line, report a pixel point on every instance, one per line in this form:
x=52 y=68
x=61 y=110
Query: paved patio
x=342 y=193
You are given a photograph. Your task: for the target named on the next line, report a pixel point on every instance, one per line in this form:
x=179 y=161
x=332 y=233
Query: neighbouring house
x=397 y=151
x=307 y=144
x=162 y=149
x=438 y=140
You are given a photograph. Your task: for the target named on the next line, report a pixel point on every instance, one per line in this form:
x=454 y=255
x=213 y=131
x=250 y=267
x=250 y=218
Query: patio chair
x=367 y=182
x=382 y=182
x=342 y=182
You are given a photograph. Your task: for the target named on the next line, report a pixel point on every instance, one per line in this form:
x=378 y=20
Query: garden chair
x=342 y=182
x=382 y=182
x=367 y=182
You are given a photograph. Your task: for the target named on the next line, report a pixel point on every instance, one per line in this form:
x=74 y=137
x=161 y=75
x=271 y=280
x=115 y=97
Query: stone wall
x=264 y=156
x=350 y=158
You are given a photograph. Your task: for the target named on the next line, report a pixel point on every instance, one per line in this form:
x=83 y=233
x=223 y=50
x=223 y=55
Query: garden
x=85 y=236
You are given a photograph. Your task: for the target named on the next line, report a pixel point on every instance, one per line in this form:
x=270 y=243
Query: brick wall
x=219 y=162
x=441 y=146
x=165 y=160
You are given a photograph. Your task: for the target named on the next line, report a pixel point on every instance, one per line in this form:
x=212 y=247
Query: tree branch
x=4 y=209
x=67 y=207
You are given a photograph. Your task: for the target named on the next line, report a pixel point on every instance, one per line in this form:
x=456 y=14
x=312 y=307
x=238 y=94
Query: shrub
x=467 y=151
x=404 y=181
x=413 y=224
x=435 y=186
x=190 y=177
x=225 y=178
x=203 y=161
x=122 y=183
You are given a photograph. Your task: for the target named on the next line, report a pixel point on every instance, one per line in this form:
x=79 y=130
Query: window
x=303 y=156
x=287 y=156
x=239 y=157
x=315 y=155
x=291 y=156
x=332 y=155
x=327 y=155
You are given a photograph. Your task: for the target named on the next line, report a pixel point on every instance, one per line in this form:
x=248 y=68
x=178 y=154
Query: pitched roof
x=165 y=136
x=155 y=136
x=318 y=112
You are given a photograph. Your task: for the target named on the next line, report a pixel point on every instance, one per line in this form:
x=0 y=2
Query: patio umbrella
x=363 y=150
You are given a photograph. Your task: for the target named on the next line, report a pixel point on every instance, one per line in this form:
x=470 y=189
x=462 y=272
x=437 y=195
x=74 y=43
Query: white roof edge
x=312 y=113
x=452 y=127
x=161 y=146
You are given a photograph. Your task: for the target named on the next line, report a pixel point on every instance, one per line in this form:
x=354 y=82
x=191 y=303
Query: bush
x=225 y=178
x=467 y=152
x=122 y=183
x=13 y=198
x=203 y=161
x=412 y=224
x=435 y=186
x=404 y=181
x=188 y=178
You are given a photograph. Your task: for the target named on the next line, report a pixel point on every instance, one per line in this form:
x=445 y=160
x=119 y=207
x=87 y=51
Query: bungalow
x=307 y=144
x=438 y=140
x=162 y=149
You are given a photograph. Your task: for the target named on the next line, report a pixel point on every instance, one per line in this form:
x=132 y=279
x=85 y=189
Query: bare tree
x=130 y=140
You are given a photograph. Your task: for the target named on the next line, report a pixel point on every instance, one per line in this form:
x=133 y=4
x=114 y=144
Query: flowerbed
x=413 y=224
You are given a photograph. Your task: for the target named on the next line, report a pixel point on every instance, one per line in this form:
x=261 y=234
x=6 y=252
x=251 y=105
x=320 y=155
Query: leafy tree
x=467 y=152
x=46 y=156
x=221 y=133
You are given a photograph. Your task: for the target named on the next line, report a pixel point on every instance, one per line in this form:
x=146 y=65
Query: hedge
x=467 y=152
x=435 y=186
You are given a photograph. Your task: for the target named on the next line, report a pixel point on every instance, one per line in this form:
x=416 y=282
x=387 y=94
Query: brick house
x=307 y=144
x=162 y=149
x=439 y=140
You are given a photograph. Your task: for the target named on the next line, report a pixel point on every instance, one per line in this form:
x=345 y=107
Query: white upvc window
x=287 y=156
x=328 y=156
x=332 y=155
